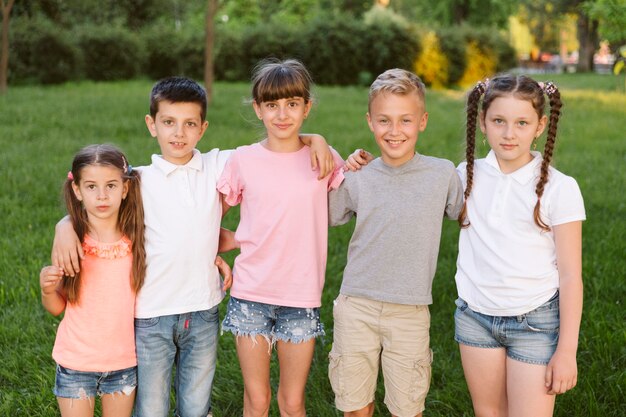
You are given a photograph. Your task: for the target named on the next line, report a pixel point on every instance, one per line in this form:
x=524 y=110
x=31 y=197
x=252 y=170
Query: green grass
x=42 y=127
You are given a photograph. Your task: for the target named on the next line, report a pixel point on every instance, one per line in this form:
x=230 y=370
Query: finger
x=313 y=161
x=228 y=282
x=75 y=261
x=548 y=377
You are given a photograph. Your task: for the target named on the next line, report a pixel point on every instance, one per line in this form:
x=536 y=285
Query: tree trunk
x=588 y=42
x=209 y=75
x=4 y=53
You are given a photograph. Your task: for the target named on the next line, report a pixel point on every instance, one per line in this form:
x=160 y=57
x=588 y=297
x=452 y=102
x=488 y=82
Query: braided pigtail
x=470 y=138
x=555 y=112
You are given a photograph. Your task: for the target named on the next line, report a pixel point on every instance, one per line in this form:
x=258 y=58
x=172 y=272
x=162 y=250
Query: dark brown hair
x=274 y=80
x=178 y=90
x=523 y=88
x=130 y=217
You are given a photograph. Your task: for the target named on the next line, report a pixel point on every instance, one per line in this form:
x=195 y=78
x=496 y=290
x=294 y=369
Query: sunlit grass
x=41 y=128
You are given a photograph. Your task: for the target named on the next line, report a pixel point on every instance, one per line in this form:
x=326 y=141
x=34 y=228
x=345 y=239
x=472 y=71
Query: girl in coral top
x=95 y=343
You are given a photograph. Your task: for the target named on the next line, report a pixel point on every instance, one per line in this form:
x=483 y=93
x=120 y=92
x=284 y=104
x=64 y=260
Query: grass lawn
x=42 y=127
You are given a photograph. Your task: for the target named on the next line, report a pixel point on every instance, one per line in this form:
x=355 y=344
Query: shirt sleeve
x=230 y=183
x=454 y=201
x=340 y=206
x=222 y=158
x=336 y=177
x=566 y=203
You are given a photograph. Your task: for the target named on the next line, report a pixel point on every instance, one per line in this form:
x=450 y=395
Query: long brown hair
x=130 y=217
x=524 y=88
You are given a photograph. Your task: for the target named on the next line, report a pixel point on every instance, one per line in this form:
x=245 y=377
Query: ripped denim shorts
x=81 y=385
x=287 y=324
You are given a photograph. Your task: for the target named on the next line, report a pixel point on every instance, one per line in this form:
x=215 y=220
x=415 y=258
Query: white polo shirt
x=182 y=216
x=507 y=264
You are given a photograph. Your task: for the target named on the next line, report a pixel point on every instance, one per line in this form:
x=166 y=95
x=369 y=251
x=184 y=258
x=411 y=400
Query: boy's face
x=396 y=121
x=178 y=127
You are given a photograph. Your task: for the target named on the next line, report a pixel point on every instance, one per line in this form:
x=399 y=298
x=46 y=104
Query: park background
x=80 y=71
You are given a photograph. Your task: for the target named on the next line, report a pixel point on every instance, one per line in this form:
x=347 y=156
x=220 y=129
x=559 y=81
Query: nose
x=394 y=129
x=102 y=194
x=508 y=132
x=179 y=130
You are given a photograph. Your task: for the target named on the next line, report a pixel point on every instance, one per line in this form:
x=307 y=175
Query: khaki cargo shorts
x=370 y=334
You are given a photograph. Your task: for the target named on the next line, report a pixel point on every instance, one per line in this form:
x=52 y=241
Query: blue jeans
x=530 y=337
x=190 y=341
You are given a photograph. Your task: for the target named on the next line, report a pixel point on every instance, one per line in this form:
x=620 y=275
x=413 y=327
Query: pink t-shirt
x=283 y=230
x=97 y=334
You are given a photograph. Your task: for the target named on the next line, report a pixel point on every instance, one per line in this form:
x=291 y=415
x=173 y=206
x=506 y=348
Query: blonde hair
x=397 y=81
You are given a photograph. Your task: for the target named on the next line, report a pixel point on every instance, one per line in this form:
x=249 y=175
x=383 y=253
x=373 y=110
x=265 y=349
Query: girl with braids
x=95 y=342
x=519 y=274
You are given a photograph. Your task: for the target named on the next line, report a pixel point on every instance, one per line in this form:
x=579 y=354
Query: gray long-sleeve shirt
x=399 y=211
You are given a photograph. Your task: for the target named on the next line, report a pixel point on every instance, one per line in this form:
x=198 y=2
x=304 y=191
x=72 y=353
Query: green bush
x=110 y=53
x=491 y=43
x=452 y=45
x=229 y=56
x=162 y=52
x=41 y=52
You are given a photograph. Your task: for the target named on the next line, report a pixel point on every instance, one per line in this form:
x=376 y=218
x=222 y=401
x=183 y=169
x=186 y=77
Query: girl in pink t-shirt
x=279 y=275
x=95 y=342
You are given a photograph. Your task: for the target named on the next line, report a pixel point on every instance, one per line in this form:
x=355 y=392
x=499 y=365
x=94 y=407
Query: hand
x=561 y=373
x=49 y=279
x=358 y=159
x=67 y=250
x=225 y=272
x=321 y=156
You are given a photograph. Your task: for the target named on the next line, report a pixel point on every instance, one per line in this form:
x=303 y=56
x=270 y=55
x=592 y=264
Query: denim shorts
x=530 y=337
x=287 y=324
x=82 y=385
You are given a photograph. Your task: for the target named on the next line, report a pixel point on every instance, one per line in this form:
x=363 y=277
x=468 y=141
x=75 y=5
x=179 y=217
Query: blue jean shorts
x=530 y=337
x=287 y=324
x=81 y=385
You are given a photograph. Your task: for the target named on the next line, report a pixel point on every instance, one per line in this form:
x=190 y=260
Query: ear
x=307 y=108
x=76 y=190
x=150 y=123
x=541 y=126
x=125 y=189
x=423 y=122
x=369 y=121
x=203 y=128
x=481 y=122
x=257 y=109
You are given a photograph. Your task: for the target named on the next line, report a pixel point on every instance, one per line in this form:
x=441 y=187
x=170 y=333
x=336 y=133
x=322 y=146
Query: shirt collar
x=167 y=167
x=522 y=175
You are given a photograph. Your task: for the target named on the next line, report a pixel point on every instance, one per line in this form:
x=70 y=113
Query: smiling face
x=396 y=121
x=283 y=119
x=178 y=127
x=511 y=124
x=101 y=190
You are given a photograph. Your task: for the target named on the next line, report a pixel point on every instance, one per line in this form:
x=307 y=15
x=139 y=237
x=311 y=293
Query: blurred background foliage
x=448 y=43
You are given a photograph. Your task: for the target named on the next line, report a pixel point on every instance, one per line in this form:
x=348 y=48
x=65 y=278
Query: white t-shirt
x=507 y=264
x=182 y=216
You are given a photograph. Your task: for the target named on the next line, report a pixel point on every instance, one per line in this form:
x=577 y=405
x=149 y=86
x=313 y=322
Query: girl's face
x=283 y=118
x=511 y=124
x=101 y=189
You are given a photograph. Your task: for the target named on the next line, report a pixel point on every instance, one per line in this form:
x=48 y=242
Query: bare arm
x=51 y=294
x=320 y=154
x=225 y=272
x=562 y=372
x=67 y=250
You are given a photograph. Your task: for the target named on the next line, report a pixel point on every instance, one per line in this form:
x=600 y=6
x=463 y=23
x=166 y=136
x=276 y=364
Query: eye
x=523 y=123
x=271 y=105
x=293 y=104
x=383 y=121
x=112 y=186
x=167 y=122
x=498 y=121
x=407 y=121
x=191 y=124
x=91 y=187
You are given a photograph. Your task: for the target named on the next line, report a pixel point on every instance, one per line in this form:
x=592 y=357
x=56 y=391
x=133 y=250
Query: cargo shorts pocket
x=420 y=382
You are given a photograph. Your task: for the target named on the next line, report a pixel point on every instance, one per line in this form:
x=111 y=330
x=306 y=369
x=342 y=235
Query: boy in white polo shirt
x=399 y=200
x=176 y=312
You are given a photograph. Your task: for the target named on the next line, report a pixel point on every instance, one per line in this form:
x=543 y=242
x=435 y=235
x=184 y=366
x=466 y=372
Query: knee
x=291 y=405
x=366 y=411
x=259 y=403
x=490 y=412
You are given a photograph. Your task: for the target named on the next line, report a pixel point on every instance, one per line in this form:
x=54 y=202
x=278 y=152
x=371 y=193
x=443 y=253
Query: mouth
x=508 y=147
x=282 y=126
x=102 y=208
x=395 y=142
x=178 y=144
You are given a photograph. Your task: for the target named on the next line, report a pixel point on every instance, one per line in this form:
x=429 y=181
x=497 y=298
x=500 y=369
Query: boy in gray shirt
x=399 y=200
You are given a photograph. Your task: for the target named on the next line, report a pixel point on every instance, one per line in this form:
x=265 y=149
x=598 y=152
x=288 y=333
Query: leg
x=118 y=404
x=74 y=407
x=355 y=357
x=254 y=360
x=526 y=390
x=197 y=335
x=485 y=373
x=406 y=357
x=295 y=363
x=155 y=358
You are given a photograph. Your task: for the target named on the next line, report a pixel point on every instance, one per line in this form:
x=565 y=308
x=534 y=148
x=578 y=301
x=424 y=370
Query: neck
x=104 y=230
x=293 y=144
